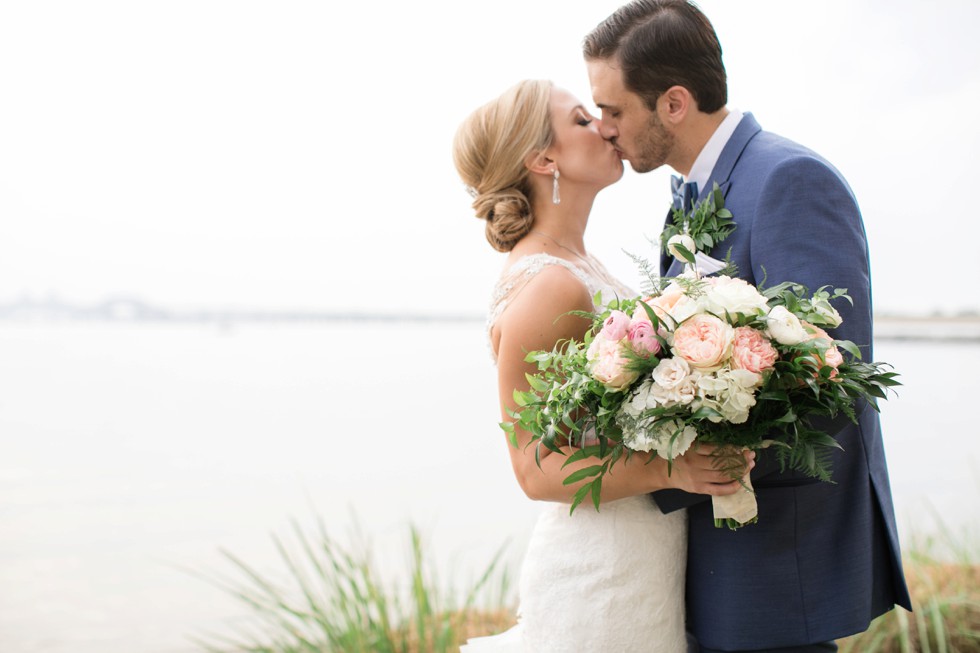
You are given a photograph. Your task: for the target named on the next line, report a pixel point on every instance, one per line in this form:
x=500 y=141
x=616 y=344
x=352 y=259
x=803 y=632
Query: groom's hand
x=702 y=471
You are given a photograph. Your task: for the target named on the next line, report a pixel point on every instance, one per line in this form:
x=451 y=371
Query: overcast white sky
x=297 y=154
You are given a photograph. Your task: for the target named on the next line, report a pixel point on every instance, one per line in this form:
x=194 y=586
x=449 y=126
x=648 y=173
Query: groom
x=823 y=560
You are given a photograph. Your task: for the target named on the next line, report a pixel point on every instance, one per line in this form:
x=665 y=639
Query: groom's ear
x=538 y=163
x=675 y=104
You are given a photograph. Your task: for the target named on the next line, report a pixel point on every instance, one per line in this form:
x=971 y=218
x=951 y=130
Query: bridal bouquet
x=712 y=359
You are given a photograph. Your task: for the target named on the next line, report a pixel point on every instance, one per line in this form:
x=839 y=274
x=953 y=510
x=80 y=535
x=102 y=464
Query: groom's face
x=627 y=122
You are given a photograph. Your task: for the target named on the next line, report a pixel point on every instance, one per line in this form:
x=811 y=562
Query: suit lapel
x=747 y=128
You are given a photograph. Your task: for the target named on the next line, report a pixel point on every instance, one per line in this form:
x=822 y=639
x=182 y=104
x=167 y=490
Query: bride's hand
x=700 y=471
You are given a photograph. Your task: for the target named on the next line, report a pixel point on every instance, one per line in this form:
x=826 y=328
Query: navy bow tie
x=685 y=193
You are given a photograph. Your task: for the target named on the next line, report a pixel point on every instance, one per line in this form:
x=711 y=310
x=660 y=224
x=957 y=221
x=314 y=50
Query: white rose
x=671 y=372
x=684 y=241
x=682 y=394
x=734 y=296
x=828 y=315
x=784 y=327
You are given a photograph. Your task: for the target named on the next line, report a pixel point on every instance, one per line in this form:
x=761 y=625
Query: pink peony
x=752 y=351
x=608 y=365
x=704 y=341
x=642 y=338
x=615 y=326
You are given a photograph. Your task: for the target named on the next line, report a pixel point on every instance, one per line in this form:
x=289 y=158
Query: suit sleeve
x=807 y=228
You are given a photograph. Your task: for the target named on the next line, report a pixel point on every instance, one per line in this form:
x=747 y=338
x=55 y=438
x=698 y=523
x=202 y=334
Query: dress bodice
x=604 y=581
x=517 y=276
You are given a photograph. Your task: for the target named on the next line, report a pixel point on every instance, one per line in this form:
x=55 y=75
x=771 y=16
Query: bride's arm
x=537 y=319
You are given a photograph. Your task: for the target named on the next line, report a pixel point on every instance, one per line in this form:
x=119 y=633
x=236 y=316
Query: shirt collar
x=705 y=163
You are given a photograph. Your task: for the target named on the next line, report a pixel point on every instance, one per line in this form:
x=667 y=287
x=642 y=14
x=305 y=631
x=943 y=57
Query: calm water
x=130 y=452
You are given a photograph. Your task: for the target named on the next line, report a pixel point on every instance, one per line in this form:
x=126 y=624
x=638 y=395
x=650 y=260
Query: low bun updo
x=490 y=149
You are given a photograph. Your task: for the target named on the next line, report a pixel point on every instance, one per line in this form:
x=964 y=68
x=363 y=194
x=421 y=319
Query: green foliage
x=943 y=575
x=566 y=407
x=708 y=223
x=815 y=308
x=650 y=281
x=333 y=600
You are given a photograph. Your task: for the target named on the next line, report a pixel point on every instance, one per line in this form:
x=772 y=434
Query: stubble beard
x=653 y=146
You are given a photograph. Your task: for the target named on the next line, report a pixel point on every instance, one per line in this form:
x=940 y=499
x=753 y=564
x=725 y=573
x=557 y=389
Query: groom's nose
x=608 y=130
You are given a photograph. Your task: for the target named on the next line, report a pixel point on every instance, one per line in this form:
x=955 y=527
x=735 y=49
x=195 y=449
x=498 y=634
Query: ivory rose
x=752 y=351
x=674 y=382
x=733 y=295
x=704 y=341
x=784 y=327
x=828 y=314
x=684 y=241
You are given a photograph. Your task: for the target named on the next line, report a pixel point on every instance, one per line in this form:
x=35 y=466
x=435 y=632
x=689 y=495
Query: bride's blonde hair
x=489 y=151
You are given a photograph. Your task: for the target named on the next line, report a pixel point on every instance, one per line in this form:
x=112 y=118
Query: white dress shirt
x=705 y=163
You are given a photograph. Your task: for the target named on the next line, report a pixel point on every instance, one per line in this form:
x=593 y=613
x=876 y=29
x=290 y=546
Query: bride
x=606 y=581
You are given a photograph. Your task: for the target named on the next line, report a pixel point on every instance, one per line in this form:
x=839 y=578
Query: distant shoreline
x=964 y=328
x=888 y=327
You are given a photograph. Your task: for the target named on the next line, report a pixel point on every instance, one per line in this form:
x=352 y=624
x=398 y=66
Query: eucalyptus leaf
x=596 y=492
x=850 y=348
x=685 y=253
x=585 y=472
x=579 y=495
x=537 y=383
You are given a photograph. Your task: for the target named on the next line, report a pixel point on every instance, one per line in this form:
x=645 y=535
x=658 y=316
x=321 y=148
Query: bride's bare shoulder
x=551 y=293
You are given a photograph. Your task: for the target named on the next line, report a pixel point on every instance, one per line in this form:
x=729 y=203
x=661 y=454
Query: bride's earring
x=555 y=197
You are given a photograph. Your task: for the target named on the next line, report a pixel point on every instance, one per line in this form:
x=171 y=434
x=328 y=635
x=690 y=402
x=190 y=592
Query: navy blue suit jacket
x=824 y=558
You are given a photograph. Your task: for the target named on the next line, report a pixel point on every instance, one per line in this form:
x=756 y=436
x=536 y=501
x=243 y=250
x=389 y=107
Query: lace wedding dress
x=604 y=582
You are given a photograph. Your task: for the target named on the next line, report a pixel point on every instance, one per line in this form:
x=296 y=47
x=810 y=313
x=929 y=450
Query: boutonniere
x=693 y=234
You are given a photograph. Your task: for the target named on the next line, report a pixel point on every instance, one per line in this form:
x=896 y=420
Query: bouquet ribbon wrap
x=736 y=509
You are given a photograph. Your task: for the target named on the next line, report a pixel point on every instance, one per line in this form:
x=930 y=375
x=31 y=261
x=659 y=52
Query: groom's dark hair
x=659 y=44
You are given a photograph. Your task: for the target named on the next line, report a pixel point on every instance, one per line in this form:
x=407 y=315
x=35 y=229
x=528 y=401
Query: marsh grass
x=333 y=598
x=943 y=574
x=330 y=598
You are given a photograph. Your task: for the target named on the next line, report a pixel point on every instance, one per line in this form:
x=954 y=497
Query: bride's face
x=582 y=155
